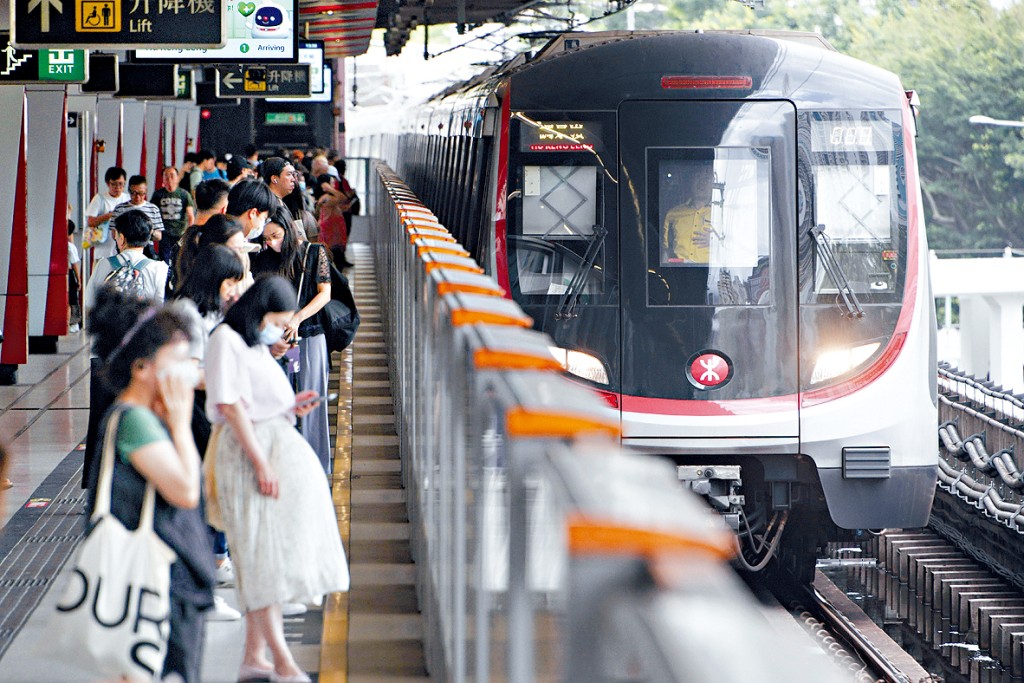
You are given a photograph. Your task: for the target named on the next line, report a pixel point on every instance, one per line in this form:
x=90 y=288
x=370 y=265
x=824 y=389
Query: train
x=723 y=234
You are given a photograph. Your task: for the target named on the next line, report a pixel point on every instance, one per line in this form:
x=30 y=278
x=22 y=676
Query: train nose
x=709 y=370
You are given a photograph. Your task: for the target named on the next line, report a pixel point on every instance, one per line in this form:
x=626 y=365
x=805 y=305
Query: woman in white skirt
x=267 y=484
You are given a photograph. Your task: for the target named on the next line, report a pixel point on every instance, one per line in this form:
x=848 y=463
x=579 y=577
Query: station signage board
x=117 y=24
x=285 y=118
x=326 y=93
x=148 y=82
x=41 y=66
x=257 y=32
x=186 y=85
x=312 y=52
x=283 y=80
x=102 y=74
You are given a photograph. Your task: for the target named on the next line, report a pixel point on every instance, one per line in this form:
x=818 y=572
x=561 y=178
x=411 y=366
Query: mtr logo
x=709 y=370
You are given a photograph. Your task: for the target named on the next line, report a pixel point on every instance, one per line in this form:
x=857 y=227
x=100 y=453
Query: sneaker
x=291 y=609
x=222 y=611
x=74 y=329
x=225 y=573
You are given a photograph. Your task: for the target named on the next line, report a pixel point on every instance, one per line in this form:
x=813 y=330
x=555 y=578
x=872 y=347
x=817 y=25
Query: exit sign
x=286 y=118
x=33 y=66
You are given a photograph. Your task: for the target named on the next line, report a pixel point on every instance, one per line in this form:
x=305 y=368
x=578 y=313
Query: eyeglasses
x=137 y=193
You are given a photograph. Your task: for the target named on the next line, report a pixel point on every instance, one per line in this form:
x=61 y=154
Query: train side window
x=708 y=228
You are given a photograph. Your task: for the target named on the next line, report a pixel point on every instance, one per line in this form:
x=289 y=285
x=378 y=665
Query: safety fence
x=544 y=550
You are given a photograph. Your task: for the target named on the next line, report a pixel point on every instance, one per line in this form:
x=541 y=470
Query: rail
x=544 y=551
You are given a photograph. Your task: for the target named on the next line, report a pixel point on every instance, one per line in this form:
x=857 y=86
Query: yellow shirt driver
x=686 y=235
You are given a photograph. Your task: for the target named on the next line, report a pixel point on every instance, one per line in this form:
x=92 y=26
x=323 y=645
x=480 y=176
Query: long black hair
x=202 y=286
x=291 y=248
x=217 y=230
x=269 y=294
x=125 y=329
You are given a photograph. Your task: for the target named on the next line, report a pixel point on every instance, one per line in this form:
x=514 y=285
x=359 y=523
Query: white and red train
x=723 y=234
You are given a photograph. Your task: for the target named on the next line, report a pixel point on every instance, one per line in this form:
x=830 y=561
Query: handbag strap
x=302 y=277
x=105 y=484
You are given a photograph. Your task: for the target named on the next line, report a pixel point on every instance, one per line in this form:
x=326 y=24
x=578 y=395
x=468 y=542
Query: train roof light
x=707 y=82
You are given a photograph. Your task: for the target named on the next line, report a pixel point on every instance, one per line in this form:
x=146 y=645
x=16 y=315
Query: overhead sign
x=36 y=66
x=285 y=118
x=258 y=32
x=312 y=52
x=102 y=74
x=186 y=85
x=325 y=95
x=290 y=80
x=148 y=81
x=121 y=24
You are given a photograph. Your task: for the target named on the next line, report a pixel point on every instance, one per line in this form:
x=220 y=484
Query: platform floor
x=372 y=634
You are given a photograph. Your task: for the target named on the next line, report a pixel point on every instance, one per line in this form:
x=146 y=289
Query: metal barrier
x=544 y=551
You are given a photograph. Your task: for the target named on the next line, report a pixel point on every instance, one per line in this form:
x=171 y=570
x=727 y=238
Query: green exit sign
x=286 y=118
x=62 y=65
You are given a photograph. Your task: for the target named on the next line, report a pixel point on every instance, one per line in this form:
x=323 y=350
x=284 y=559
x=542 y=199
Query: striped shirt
x=151 y=210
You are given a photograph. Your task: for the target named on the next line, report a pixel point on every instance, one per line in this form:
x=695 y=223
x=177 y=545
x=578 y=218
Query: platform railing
x=544 y=551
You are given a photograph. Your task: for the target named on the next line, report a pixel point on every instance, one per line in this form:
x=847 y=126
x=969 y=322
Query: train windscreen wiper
x=571 y=295
x=835 y=271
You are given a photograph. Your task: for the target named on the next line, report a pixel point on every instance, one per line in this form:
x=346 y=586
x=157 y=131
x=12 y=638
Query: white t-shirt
x=237 y=372
x=99 y=236
x=154 y=277
x=73 y=254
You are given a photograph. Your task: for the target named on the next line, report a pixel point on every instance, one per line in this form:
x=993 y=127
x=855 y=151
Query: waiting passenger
x=266 y=486
x=307 y=267
x=99 y=211
x=147 y=367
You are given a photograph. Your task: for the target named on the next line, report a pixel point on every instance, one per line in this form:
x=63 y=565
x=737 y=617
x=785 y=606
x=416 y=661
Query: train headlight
x=840 y=361
x=580 y=364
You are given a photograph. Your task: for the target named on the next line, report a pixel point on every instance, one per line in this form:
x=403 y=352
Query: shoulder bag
x=113 y=619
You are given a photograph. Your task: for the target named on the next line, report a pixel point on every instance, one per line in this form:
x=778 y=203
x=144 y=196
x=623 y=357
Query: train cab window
x=556 y=238
x=708 y=232
x=856 y=185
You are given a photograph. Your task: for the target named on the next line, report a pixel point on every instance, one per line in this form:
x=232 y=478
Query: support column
x=181 y=133
x=154 y=138
x=47 y=217
x=108 y=129
x=134 y=132
x=1006 y=340
x=13 y=236
x=974 y=332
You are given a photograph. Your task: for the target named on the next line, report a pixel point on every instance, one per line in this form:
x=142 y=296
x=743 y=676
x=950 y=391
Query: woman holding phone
x=263 y=476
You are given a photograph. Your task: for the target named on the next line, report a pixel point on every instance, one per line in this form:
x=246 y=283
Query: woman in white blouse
x=267 y=486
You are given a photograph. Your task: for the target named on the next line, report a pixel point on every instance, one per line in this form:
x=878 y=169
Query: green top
x=139 y=427
x=172 y=207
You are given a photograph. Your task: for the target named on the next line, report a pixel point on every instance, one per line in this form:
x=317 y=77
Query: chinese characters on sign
x=117 y=23
x=290 y=80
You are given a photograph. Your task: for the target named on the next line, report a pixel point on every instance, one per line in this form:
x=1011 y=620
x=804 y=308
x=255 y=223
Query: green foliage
x=963 y=57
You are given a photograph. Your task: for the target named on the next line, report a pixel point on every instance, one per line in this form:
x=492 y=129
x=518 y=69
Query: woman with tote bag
x=148 y=446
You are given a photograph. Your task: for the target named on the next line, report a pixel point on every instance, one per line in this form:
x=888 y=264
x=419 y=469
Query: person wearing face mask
x=251 y=202
x=266 y=482
x=307 y=267
x=147 y=366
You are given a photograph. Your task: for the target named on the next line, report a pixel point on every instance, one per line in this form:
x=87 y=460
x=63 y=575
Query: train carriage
x=722 y=232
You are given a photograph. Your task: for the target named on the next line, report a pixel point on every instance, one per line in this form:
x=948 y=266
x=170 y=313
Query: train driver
x=686 y=227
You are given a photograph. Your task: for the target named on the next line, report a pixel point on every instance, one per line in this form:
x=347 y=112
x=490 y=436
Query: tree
x=963 y=58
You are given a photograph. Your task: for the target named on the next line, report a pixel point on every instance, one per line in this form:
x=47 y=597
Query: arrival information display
x=258 y=32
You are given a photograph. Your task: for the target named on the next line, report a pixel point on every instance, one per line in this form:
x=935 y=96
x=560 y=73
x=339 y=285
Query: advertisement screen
x=312 y=52
x=259 y=31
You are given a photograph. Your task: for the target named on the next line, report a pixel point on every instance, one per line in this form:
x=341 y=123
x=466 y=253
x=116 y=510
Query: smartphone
x=330 y=398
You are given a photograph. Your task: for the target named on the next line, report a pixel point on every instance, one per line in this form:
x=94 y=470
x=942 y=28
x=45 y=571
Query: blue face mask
x=302 y=185
x=271 y=334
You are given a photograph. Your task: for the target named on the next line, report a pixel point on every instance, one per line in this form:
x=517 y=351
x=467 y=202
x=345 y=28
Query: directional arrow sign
x=35 y=66
x=286 y=80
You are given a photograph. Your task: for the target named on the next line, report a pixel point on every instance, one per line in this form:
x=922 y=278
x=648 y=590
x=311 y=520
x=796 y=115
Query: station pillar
x=47 y=214
x=13 y=236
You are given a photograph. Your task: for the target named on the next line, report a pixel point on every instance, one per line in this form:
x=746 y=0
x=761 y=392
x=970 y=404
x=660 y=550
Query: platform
x=43 y=422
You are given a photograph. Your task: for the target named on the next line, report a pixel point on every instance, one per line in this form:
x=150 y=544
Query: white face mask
x=271 y=334
x=257 y=229
x=184 y=369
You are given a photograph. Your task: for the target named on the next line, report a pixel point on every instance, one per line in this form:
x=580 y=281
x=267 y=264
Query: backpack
x=126 y=276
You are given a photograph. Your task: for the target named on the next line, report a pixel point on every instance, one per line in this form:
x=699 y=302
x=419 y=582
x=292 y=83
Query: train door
x=708 y=204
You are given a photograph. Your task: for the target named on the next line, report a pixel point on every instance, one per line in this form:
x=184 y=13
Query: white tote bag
x=114 y=617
